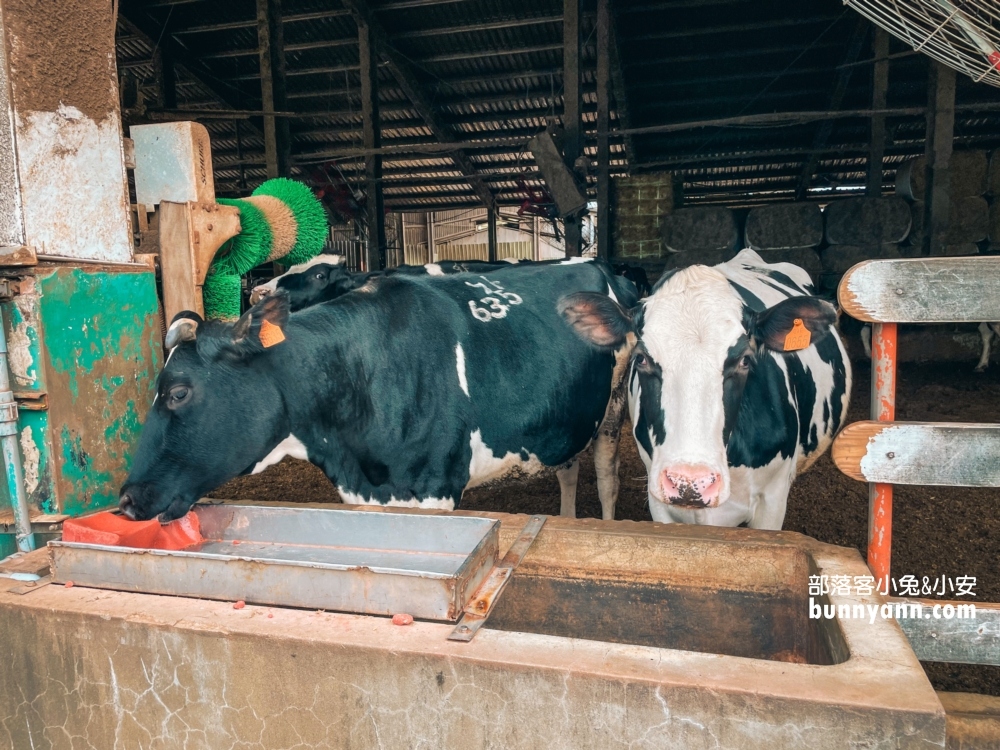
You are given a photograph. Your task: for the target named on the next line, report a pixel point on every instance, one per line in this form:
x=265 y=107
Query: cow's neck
x=320 y=376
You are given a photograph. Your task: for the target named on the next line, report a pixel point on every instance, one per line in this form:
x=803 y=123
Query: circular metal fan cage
x=964 y=34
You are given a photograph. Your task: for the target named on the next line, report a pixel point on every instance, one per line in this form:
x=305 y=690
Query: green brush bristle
x=221 y=296
x=250 y=247
x=309 y=215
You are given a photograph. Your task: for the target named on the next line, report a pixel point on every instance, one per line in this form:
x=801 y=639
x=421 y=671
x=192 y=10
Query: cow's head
x=319 y=280
x=697 y=345
x=217 y=410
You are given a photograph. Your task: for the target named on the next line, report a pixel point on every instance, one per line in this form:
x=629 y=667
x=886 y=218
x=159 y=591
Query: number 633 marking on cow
x=494 y=307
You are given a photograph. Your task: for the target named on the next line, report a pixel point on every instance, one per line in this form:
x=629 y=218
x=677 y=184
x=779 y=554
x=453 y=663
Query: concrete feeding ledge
x=610 y=635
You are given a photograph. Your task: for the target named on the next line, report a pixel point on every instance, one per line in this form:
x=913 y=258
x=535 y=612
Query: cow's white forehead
x=696 y=313
x=333 y=260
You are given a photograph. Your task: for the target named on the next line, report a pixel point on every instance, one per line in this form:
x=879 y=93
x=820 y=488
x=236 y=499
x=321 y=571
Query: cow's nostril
x=127 y=505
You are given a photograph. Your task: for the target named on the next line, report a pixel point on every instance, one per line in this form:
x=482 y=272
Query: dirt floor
x=936 y=530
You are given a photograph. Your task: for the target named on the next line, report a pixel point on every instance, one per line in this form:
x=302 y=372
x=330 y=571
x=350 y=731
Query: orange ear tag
x=797 y=338
x=271 y=335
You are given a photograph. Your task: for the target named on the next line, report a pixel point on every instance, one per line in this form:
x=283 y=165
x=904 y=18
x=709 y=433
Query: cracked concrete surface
x=106 y=670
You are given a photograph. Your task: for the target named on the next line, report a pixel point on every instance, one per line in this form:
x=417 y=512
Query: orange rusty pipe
x=883 y=410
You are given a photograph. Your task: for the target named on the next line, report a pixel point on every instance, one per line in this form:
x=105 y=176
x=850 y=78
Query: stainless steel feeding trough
x=366 y=563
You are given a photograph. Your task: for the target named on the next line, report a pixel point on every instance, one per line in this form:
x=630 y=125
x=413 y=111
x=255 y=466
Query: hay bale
x=967 y=170
x=784 y=226
x=693 y=229
x=969 y=221
x=993 y=175
x=867 y=221
x=837 y=259
x=993 y=231
x=698 y=257
x=803 y=257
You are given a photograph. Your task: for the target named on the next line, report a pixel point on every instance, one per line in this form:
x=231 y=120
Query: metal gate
x=884 y=452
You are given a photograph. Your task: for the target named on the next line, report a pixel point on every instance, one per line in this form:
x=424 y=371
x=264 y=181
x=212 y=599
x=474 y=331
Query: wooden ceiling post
x=940 y=136
x=271 y=48
x=603 y=123
x=880 y=90
x=374 y=205
x=572 y=138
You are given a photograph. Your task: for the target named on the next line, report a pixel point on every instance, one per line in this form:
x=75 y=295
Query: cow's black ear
x=794 y=323
x=184 y=327
x=596 y=318
x=263 y=325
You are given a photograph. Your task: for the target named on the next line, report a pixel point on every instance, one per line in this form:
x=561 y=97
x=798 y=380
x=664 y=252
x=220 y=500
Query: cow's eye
x=318 y=276
x=177 y=396
x=745 y=362
x=641 y=360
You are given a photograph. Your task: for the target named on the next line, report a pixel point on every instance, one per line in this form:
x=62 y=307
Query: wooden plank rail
x=958 y=640
x=926 y=453
x=923 y=290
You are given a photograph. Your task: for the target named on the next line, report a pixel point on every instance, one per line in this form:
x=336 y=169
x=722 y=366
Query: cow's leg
x=568 y=475
x=606 y=465
x=986 y=332
x=769 y=510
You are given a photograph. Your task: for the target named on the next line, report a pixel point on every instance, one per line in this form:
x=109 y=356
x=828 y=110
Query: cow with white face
x=738 y=382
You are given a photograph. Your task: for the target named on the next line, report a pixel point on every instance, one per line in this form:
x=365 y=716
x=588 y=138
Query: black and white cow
x=724 y=418
x=986 y=332
x=325 y=277
x=635 y=274
x=405 y=392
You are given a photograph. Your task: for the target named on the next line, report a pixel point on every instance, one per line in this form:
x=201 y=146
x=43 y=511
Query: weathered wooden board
x=959 y=640
x=923 y=290
x=190 y=235
x=927 y=453
x=973 y=720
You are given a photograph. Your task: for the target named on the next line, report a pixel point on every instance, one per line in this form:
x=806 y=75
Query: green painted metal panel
x=88 y=338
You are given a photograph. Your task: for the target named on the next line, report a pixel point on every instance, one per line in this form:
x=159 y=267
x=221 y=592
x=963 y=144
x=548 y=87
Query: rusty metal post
x=883 y=410
x=12 y=454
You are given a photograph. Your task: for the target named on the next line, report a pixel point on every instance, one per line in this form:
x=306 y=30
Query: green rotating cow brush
x=281 y=220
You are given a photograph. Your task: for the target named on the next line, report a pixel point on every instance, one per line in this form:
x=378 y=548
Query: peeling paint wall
x=11 y=227
x=72 y=185
x=31 y=458
x=22 y=337
x=85 y=351
x=102 y=355
x=70 y=157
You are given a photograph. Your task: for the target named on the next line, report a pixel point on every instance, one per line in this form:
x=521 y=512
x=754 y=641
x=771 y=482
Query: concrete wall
x=84 y=668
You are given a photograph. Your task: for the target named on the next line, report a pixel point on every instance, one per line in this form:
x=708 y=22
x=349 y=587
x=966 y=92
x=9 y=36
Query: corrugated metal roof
x=493 y=69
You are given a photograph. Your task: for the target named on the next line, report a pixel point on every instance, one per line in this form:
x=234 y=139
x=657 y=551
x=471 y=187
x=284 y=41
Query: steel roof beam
x=414 y=91
x=179 y=55
x=251 y=23
x=836 y=101
x=469 y=28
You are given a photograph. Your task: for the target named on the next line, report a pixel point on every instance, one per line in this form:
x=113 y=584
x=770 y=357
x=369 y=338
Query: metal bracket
x=30 y=586
x=484 y=600
x=9 y=288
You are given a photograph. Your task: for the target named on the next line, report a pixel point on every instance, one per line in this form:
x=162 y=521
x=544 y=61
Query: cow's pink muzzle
x=691 y=486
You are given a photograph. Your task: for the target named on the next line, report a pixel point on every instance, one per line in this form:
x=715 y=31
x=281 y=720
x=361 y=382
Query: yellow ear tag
x=270 y=334
x=797 y=338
